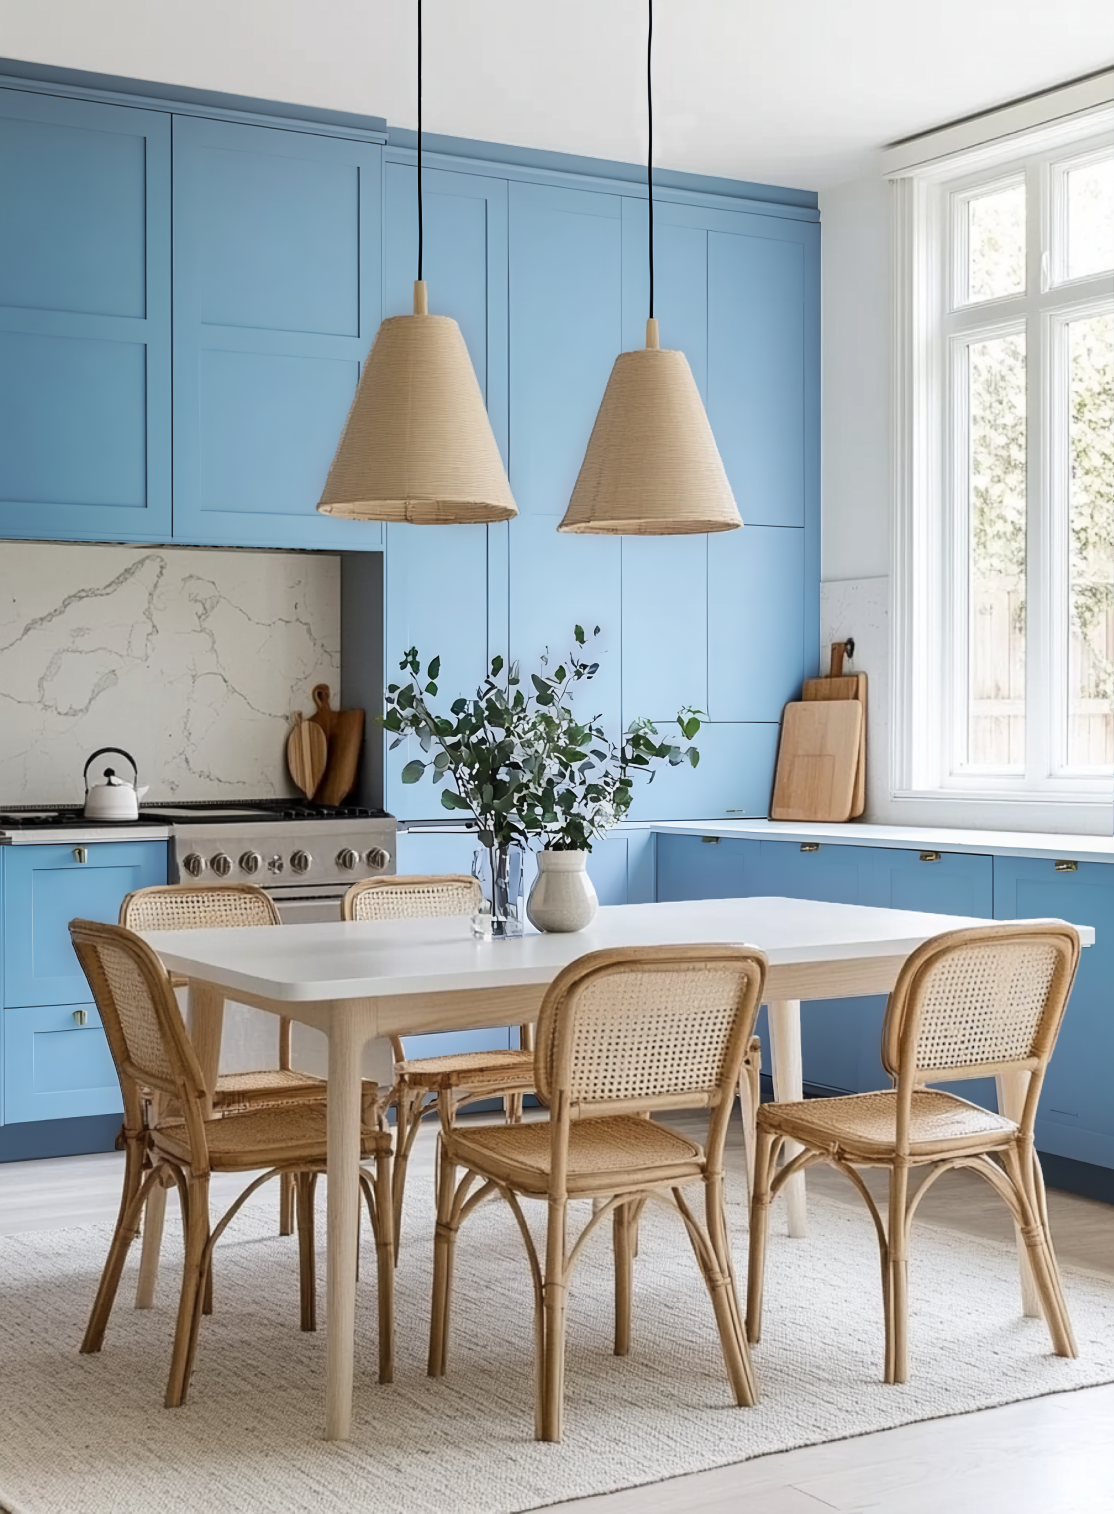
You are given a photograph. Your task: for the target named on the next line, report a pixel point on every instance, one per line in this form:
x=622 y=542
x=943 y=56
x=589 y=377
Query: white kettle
x=115 y=798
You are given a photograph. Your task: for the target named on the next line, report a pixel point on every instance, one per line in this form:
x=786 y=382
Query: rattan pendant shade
x=417 y=445
x=652 y=467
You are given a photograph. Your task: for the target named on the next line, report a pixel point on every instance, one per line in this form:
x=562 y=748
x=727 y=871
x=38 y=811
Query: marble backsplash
x=192 y=660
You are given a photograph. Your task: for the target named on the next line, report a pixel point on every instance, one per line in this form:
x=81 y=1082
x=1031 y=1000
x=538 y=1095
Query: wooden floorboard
x=1052 y=1455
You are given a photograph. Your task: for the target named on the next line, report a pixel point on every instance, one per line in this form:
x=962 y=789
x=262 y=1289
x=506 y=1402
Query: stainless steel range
x=306 y=856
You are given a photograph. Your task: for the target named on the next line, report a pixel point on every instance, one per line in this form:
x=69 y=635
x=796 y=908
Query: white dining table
x=356 y=980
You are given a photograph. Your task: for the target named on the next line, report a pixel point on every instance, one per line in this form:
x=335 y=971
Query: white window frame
x=930 y=331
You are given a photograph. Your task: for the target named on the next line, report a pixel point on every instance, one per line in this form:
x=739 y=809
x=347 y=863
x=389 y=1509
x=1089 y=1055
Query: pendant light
x=417 y=445
x=652 y=467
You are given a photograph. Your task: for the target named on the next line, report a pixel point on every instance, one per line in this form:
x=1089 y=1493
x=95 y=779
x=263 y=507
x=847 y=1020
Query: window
x=1005 y=572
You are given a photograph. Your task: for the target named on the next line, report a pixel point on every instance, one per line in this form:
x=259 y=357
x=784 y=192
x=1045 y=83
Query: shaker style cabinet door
x=84 y=320
x=439 y=597
x=276 y=302
x=57 y=1065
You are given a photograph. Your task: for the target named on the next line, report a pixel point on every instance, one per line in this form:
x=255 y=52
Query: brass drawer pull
x=710 y=840
x=1066 y=867
x=931 y=856
x=81 y=854
x=80 y=1017
x=810 y=846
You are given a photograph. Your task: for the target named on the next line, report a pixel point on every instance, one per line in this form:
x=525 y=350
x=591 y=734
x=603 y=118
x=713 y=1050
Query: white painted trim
x=1094 y=94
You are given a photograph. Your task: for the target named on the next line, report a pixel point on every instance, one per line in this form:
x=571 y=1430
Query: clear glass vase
x=499 y=870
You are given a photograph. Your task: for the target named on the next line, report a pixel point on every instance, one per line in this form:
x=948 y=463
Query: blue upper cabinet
x=277 y=296
x=84 y=320
x=437 y=578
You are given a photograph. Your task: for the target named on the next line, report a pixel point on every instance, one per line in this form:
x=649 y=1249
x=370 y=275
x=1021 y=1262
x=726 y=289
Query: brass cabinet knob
x=80 y=1016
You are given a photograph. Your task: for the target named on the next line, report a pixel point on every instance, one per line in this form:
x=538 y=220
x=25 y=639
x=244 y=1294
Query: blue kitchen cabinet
x=760 y=599
x=704 y=867
x=277 y=296
x=1075 y=1117
x=84 y=320
x=732 y=780
x=55 y=1062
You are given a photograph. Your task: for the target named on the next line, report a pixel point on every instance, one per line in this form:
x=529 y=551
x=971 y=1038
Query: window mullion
x=1044 y=732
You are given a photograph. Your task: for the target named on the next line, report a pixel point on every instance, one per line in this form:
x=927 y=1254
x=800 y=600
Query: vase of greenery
x=526 y=766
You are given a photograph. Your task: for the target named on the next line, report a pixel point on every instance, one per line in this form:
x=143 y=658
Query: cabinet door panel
x=84 y=320
x=45 y=887
x=276 y=299
x=756 y=618
x=1076 y=1113
x=565 y=333
x=54 y=1069
x=680 y=280
x=733 y=777
x=704 y=867
x=665 y=626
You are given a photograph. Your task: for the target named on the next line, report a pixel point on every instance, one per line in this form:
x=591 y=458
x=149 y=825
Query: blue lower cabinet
x=57 y=1065
x=1075 y=1117
x=45 y=887
x=704 y=867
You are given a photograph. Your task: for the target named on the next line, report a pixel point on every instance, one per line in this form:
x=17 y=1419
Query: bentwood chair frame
x=982 y=1002
x=621 y=1034
x=199 y=906
x=152 y=1051
x=457 y=1078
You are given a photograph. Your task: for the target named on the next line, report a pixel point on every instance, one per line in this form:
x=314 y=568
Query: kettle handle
x=101 y=752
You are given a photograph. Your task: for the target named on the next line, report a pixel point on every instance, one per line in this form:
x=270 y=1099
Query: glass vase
x=499 y=870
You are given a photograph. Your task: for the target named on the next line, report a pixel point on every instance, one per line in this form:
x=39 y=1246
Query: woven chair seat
x=510 y=1070
x=270 y=1085
x=866 y=1124
x=604 y=1154
x=268 y=1137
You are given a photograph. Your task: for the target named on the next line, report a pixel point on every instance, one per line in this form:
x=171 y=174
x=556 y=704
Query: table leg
x=1012 y=1088
x=343 y=1130
x=206 y=1025
x=785 y=1046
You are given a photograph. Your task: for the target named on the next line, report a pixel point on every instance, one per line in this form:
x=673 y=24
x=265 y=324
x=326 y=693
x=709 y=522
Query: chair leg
x=512 y=1108
x=622 y=1240
x=721 y=1288
x=1023 y=1169
x=307 y=1250
x=189 y=1304
x=444 y=1247
x=287 y=1202
x=386 y=1256
x=154 y=1213
x=408 y=1115
x=749 y=1098
x=549 y=1417
x=897 y=1277
x=765 y=1149
x=127 y=1228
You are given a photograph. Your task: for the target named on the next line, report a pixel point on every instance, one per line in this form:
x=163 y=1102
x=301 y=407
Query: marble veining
x=192 y=660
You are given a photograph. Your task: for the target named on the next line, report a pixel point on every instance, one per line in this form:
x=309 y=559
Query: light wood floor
x=1050 y=1455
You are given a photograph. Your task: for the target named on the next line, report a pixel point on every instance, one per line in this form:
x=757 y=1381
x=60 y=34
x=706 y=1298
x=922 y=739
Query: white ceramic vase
x=562 y=898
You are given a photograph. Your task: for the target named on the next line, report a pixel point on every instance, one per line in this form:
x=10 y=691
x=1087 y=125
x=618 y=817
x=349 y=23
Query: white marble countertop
x=913 y=837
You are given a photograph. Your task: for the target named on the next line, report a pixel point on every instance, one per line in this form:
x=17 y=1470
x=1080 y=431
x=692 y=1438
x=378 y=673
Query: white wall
x=192 y=660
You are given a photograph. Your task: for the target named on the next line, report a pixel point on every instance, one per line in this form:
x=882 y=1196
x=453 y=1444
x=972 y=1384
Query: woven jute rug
x=89 y=1435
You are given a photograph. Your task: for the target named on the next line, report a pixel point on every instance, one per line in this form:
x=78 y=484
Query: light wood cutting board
x=817 y=760
x=849 y=686
x=307 y=753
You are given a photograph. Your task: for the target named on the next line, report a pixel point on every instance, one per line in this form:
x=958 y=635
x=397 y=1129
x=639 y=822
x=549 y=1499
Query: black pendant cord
x=650 y=148
x=420 y=227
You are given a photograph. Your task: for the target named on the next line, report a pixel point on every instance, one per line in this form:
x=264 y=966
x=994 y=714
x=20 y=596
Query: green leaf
x=441 y=761
x=496 y=666
x=431 y=688
x=433 y=672
x=458 y=706
x=693 y=756
x=413 y=771
x=578 y=632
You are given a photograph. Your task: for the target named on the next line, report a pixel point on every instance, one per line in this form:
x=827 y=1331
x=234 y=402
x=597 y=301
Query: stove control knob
x=347 y=858
x=221 y=865
x=301 y=862
x=250 y=862
x=275 y=864
x=378 y=858
x=194 y=864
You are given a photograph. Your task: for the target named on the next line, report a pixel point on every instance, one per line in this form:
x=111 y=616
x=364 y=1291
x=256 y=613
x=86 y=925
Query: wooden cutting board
x=307 y=753
x=840 y=685
x=323 y=713
x=817 y=760
x=345 y=741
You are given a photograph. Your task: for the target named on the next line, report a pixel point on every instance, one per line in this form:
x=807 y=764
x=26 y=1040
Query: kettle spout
x=139 y=793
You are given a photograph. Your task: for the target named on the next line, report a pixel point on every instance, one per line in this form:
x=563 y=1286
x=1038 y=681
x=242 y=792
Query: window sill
x=1063 y=814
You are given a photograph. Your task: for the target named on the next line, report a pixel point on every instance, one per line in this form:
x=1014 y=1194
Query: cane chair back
x=979 y=1003
x=142 y=1023
x=187 y=906
x=417 y=897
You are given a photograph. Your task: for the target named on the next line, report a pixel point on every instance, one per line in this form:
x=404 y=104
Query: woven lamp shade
x=417 y=445
x=652 y=467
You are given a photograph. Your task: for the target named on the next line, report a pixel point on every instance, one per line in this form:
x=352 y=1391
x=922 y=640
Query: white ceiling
x=798 y=93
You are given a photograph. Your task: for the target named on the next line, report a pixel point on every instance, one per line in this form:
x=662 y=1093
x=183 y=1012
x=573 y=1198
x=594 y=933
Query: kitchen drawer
x=55 y=1069
x=45 y=887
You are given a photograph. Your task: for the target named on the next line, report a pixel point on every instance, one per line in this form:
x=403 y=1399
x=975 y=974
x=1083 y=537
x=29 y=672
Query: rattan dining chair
x=152 y=1051
x=457 y=1078
x=621 y=1034
x=189 y=906
x=974 y=1003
